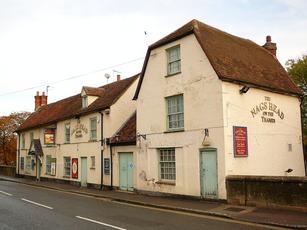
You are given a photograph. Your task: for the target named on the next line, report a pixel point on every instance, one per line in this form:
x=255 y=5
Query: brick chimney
x=118 y=77
x=38 y=101
x=44 y=99
x=270 y=46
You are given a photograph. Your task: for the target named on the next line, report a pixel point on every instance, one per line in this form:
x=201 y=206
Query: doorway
x=126 y=171
x=208 y=173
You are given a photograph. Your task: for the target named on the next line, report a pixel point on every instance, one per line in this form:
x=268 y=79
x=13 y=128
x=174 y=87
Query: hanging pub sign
x=267 y=111
x=49 y=136
x=74 y=171
x=240 y=141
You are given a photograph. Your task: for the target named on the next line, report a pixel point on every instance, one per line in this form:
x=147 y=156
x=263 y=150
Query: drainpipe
x=18 y=154
x=302 y=130
x=101 y=155
x=111 y=159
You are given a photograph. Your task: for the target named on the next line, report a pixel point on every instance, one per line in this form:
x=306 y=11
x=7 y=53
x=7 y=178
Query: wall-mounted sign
x=49 y=136
x=240 y=141
x=74 y=171
x=268 y=111
x=106 y=166
x=78 y=129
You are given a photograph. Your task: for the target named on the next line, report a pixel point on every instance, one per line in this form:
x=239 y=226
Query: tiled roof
x=233 y=58
x=72 y=106
x=127 y=133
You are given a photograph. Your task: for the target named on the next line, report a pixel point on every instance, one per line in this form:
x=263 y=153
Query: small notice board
x=240 y=141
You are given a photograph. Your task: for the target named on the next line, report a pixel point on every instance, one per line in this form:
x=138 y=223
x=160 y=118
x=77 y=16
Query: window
x=28 y=164
x=66 y=167
x=22 y=163
x=93 y=162
x=31 y=137
x=173 y=60
x=67 y=133
x=84 y=102
x=48 y=164
x=23 y=141
x=167 y=164
x=175 y=118
x=93 y=131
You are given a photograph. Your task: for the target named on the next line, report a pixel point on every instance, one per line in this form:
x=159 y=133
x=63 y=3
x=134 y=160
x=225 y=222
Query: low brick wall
x=7 y=170
x=267 y=191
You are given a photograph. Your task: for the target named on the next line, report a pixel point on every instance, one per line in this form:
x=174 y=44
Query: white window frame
x=84 y=101
x=23 y=141
x=66 y=165
x=177 y=116
x=167 y=164
x=67 y=133
x=93 y=130
x=28 y=164
x=173 y=60
x=48 y=164
x=93 y=162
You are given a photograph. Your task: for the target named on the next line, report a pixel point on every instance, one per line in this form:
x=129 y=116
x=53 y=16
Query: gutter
x=18 y=154
x=101 y=155
x=111 y=159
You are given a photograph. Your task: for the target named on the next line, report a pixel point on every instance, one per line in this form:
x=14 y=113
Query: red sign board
x=240 y=141
x=74 y=171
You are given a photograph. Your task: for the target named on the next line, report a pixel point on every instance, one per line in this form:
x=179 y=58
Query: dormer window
x=84 y=101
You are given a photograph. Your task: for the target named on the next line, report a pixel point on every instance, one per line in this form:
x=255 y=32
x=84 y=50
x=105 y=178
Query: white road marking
x=5 y=193
x=38 y=204
x=101 y=223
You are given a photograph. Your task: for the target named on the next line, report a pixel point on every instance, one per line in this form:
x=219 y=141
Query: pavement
x=274 y=217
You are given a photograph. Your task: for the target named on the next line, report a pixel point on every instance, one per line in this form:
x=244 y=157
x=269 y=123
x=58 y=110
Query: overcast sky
x=43 y=42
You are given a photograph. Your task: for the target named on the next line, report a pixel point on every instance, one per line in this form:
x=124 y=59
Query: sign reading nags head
x=240 y=141
x=268 y=111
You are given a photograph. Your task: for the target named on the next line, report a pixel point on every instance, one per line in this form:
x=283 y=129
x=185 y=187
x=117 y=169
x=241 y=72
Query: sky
x=67 y=44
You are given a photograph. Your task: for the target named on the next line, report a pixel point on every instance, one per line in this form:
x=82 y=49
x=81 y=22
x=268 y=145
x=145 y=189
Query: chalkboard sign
x=107 y=166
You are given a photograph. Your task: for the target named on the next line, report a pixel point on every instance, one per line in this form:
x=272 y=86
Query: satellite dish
x=107 y=76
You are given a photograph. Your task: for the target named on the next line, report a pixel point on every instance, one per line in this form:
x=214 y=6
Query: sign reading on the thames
x=268 y=111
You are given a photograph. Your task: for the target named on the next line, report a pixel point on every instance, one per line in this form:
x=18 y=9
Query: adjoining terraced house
x=69 y=139
x=210 y=104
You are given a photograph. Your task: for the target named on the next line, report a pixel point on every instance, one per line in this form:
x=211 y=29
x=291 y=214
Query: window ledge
x=166 y=182
x=172 y=74
x=49 y=146
x=174 y=131
x=92 y=140
x=67 y=177
x=92 y=167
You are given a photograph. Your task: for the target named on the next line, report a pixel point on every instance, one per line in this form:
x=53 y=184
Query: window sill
x=49 y=146
x=174 y=131
x=92 y=140
x=172 y=74
x=166 y=182
x=67 y=177
x=92 y=167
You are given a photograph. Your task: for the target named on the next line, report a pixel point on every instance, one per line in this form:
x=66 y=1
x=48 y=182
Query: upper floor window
x=31 y=137
x=173 y=60
x=93 y=128
x=175 y=115
x=84 y=101
x=67 y=133
x=23 y=141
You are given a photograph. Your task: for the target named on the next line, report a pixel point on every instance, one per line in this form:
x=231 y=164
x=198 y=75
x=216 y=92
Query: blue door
x=126 y=171
x=208 y=173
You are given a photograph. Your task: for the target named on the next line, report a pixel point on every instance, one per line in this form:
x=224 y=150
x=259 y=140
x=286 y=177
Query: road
x=26 y=207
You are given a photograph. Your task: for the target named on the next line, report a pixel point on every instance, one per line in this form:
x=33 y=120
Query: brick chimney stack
x=118 y=77
x=38 y=101
x=44 y=99
x=270 y=46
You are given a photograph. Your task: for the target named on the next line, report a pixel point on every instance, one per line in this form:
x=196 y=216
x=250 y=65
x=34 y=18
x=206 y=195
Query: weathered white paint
x=215 y=105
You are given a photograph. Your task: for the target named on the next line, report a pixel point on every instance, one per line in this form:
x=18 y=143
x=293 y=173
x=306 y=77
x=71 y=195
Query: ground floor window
x=48 y=164
x=28 y=164
x=93 y=162
x=22 y=163
x=167 y=164
x=67 y=166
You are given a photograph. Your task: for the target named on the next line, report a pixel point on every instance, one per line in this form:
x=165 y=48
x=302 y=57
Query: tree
x=8 y=125
x=297 y=69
